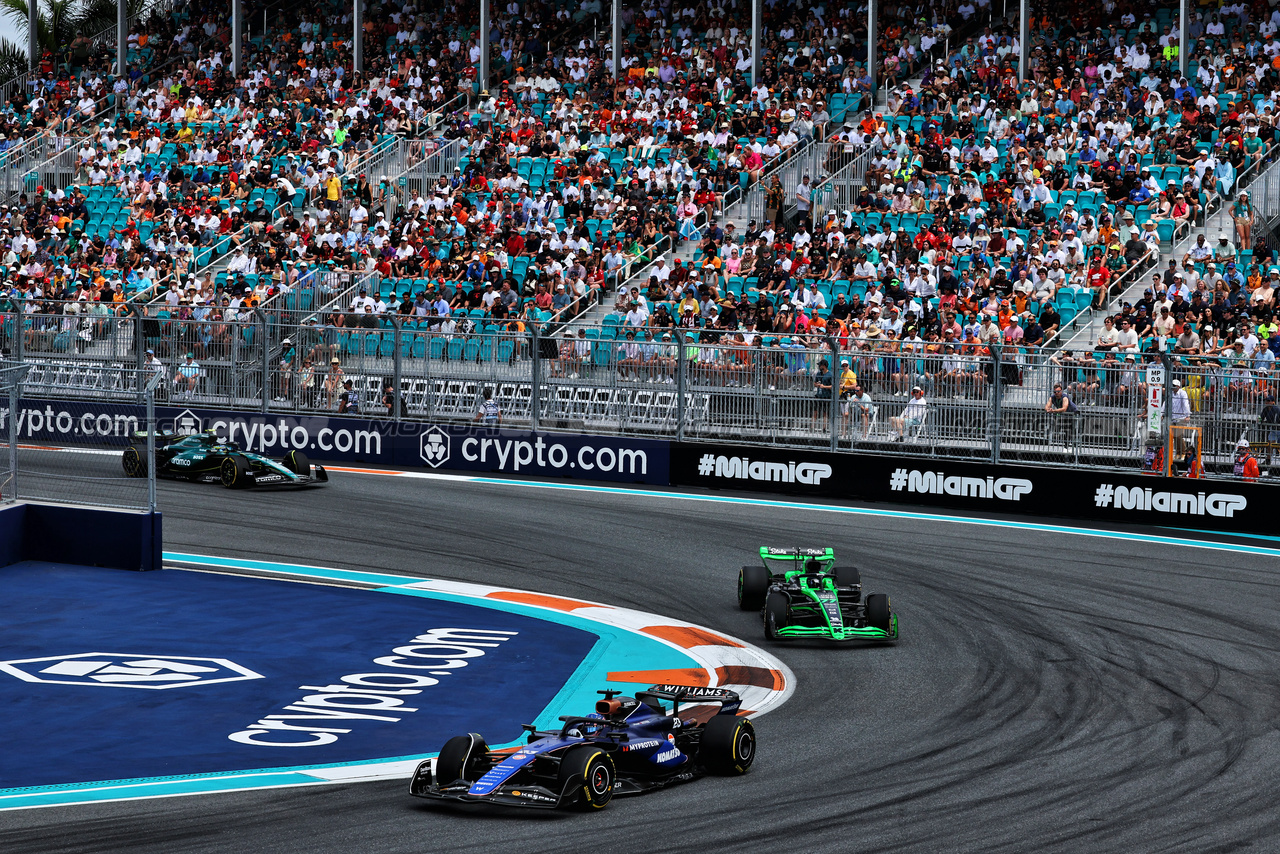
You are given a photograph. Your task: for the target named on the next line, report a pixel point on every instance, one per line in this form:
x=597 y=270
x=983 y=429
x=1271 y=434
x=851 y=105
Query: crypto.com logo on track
x=117 y=670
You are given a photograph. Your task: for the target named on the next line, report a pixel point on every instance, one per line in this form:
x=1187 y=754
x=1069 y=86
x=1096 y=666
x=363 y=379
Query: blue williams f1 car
x=630 y=745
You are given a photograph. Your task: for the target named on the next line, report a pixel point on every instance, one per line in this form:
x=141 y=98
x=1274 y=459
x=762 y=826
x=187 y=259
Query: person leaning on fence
x=848 y=382
x=1062 y=410
x=348 y=399
x=489 y=412
x=913 y=414
x=822 y=384
x=333 y=383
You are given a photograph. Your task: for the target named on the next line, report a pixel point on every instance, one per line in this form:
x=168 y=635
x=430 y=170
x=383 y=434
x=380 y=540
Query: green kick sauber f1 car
x=801 y=593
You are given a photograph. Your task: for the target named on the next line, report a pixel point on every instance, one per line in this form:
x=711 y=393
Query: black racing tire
x=461 y=758
x=234 y=472
x=753 y=587
x=878 y=612
x=134 y=463
x=728 y=745
x=849 y=585
x=297 y=462
x=588 y=776
x=775 y=614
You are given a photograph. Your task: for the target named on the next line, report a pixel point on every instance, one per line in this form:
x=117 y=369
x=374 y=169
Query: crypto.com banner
x=1220 y=505
x=405 y=444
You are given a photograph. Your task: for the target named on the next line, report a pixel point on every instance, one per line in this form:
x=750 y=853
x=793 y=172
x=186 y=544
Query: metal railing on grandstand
x=818 y=160
x=688 y=385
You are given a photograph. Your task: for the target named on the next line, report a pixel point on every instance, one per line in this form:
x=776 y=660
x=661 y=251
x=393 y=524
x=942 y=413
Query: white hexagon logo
x=127 y=670
x=434 y=447
x=186 y=423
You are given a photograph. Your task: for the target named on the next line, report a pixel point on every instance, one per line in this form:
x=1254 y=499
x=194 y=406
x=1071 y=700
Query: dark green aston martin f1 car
x=206 y=458
x=801 y=593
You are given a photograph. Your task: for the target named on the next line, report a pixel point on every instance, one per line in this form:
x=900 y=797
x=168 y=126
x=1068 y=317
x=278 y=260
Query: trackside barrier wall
x=929 y=481
x=1234 y=506
x=117 y=539
x=404 y=444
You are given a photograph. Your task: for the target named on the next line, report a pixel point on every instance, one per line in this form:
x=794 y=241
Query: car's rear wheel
x=848 y=584
x=297 y=462
x=588 y=772
x=461 y=758
x=753 y=587
x=775 y=614
x=847 y=576
x=728 y=745
x=878 y=613
x=134 y=463
x=234 y=472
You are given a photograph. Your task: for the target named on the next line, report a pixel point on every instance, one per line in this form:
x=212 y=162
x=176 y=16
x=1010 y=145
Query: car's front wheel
x=878 y=613
x=728 y=745
x=461 y=759
x=134 y=463
x=775 y=614
x=588 y=772
x=234 y=472
x=297 y=462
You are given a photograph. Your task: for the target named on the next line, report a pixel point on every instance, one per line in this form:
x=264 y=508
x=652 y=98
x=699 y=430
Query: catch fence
x=995 y=403
x=105 y=454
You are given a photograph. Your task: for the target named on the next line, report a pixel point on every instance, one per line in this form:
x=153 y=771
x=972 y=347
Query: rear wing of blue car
x=729 y=701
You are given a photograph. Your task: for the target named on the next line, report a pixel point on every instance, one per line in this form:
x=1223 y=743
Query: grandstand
x=441 y=218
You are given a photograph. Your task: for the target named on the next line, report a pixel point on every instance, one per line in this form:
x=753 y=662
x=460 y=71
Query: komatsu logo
x=744 y=468
x=939 y=483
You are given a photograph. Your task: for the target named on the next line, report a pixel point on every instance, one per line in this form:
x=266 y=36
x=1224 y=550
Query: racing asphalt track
x=1050 y=693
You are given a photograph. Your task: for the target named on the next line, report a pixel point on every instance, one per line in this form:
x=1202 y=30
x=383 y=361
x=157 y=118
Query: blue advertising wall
x=403 y=444
x=1119 y=497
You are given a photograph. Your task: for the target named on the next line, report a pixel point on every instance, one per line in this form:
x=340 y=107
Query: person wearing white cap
x=1245 y=465
x=1242 y=212
x=1181 y=414
x=913 y=414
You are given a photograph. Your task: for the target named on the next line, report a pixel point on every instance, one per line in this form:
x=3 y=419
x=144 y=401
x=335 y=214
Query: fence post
x=397 y=366
x=535 y=377
x=149 y=389
x=835 y=390
x=139 y=344
x=261 y=317
x=997 y=391
x=13 y=439
x=1168 y=412
x=680 y=384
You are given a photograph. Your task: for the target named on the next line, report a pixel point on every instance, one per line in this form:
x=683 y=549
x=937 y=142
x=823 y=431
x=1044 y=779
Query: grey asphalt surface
x=1050 y=693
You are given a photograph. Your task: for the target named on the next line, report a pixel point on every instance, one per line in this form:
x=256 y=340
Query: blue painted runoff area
x=111 y=675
